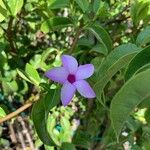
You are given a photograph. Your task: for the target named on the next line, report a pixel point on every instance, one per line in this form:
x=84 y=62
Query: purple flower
x=72 y=77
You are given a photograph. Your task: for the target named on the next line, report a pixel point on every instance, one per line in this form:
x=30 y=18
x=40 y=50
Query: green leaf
x=49 y=147
x=100 y=48
x=2 y=112
x=32 y=74
x=116 y=60
x=143 y=68
x=40 y=113
x=144 y=37
x=23 y=75
x=66 y=129
x=15 y=6
x=59 y=4
x=2 y=61
x=83 y=41
x=81 y=139
x=139 y=11
x=55 y=23
x=3 y=11
x=96 y=6
x=83 y=4
x=102 y=36
x=141 y=59
x=67 y=146
x=145 y=103
x=147 y=115
x=10 y=87
x=126 y=100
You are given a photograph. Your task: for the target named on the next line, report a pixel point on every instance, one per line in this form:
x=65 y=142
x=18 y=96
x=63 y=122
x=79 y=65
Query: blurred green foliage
x=112 y=35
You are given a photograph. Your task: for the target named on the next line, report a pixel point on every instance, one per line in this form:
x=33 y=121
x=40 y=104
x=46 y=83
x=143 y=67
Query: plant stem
x=78 y=32
x=9 y=34
x=15 y=113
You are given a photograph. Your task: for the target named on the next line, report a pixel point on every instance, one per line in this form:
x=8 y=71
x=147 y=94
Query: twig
x=29 y=103
x=15 y=113
x=79 y=30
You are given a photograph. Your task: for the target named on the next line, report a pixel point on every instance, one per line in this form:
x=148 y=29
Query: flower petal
x=58 y=74
x=67 y=93
x=84 y=71
x=84 y=89
x=70 y=63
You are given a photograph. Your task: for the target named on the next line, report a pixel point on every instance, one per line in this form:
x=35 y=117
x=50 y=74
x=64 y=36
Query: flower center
x=71 y=78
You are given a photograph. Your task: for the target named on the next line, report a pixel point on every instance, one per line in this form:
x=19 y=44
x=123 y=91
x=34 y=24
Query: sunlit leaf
x=3 y=11
x=15 y=6
x=23 y=75
x=2 y=112
x=32 y=74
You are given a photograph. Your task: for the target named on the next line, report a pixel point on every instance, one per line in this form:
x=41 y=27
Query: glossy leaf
x=116 y=60
x=126 y=100
x=141 y=59
x=40 y=113
x=102 y=36
x=55 y=23
x=144 y=37
x=32 y=74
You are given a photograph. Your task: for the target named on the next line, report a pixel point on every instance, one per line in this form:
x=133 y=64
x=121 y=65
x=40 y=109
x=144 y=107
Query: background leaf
x=84 y=4
x=59 y=4
x=96 y=5
x=144 y=37
x=67 y=146
x=55 y=23
x=137 y=89
x=141 y=59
